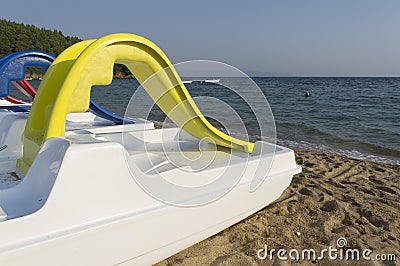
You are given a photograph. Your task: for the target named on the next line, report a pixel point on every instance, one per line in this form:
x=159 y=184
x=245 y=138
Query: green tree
x=15 y=37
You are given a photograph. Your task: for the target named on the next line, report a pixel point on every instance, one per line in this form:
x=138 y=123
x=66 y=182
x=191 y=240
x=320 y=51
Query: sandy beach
x=334 y=197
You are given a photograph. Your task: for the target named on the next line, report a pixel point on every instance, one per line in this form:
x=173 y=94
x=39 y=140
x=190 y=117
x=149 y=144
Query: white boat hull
x=88 y=210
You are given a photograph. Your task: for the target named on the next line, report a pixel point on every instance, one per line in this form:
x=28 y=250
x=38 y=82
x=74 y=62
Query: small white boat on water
x=99 y=196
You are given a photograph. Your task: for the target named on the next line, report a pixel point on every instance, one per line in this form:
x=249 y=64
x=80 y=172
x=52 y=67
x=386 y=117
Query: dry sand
x=333 y=197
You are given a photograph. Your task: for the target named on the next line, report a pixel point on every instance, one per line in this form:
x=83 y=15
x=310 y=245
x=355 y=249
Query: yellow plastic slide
x=67 y=84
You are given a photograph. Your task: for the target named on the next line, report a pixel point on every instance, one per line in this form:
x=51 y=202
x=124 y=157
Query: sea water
x=355 y=117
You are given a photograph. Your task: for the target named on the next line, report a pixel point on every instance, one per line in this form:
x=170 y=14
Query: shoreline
x=327 y=149
x=346 y=153
x=333 y=197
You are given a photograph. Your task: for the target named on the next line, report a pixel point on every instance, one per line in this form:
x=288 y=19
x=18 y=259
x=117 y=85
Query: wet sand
x=333 y=197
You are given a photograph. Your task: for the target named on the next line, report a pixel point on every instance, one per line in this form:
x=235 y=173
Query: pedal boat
x=80 y=201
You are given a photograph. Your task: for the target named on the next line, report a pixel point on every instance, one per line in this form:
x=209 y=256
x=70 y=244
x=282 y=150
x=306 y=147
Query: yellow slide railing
x=67 y=84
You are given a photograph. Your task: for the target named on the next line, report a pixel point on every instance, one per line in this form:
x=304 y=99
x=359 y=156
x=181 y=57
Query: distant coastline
x=117 y=75
x=122 y=75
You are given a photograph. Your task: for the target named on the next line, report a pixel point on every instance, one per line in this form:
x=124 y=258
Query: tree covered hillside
x=16 y=37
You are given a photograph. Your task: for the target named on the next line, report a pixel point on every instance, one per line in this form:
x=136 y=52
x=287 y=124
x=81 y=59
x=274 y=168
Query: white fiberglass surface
x=159 y=150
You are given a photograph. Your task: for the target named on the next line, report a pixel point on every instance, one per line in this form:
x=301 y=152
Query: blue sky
x=298 y=37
